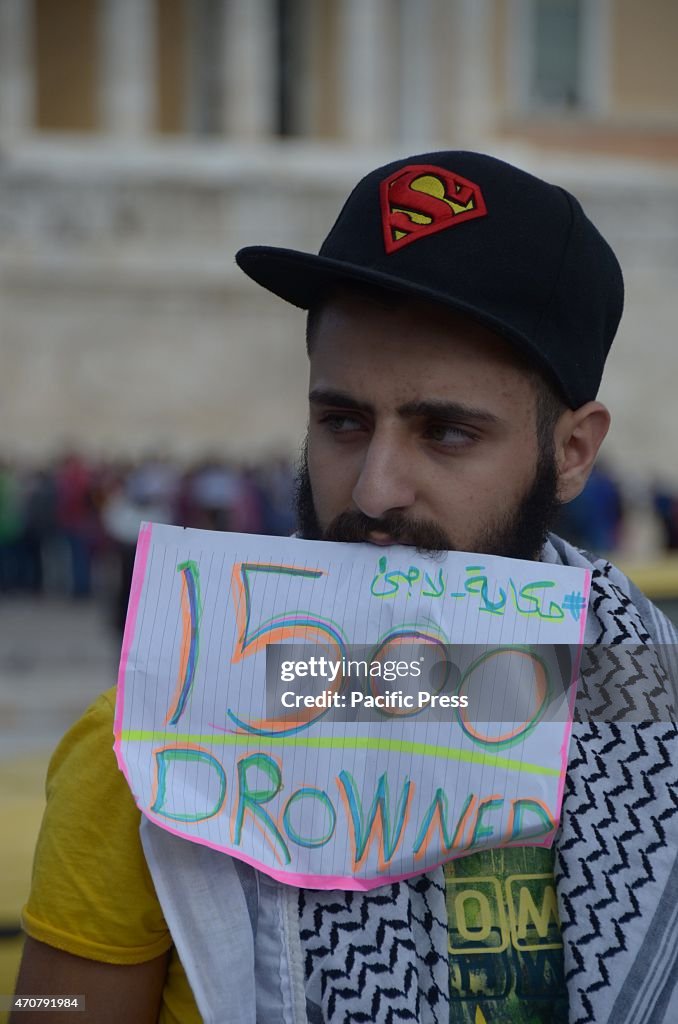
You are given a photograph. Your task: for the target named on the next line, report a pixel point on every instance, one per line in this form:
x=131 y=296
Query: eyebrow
x=432 y=408
x=325 y=396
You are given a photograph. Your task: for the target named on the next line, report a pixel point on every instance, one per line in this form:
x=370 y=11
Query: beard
x=518 y=533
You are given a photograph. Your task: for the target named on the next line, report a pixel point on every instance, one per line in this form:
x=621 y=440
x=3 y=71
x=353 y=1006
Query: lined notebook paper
x=344 y=715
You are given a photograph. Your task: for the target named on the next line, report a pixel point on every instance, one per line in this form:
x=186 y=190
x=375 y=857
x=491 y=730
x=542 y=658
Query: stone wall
x=125 y=325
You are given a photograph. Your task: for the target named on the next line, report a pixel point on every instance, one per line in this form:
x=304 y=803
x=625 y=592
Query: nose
x=385 y=483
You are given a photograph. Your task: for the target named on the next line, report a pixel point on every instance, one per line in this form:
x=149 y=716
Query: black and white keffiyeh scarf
x=382 y=955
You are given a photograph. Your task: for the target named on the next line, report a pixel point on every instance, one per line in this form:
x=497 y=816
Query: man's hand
x=113 y=993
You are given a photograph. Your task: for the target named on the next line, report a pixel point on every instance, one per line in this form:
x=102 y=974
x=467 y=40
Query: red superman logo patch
x=420 y=199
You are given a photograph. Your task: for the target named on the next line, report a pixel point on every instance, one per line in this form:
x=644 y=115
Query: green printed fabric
x=504 y=941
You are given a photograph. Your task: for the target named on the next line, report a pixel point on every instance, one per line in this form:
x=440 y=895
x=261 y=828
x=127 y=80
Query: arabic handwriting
x=531 y=599
x=533 y=605
x=494 y=607
x=436 y=589
x=392 y=579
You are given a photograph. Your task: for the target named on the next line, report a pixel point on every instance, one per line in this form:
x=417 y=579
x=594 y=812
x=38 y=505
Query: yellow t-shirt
x=91 y=822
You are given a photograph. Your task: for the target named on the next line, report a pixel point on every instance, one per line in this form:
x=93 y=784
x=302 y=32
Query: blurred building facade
x=143 y=141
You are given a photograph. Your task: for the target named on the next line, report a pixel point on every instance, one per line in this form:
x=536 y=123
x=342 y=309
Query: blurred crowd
x=597 y=519
x=70 y=527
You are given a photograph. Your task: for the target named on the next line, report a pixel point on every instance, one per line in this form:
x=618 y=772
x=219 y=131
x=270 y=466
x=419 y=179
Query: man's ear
x=578 y=435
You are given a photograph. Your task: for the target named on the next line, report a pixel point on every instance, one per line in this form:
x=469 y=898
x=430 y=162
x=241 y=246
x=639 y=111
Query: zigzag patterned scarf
x=382 y=956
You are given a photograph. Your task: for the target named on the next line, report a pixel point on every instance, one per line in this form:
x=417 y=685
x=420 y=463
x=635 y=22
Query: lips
x=382 y=540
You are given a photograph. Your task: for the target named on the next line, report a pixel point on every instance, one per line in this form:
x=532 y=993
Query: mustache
x=354 y=527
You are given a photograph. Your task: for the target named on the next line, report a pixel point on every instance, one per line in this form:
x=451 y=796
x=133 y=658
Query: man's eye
x=444 y=433
x=340 y=423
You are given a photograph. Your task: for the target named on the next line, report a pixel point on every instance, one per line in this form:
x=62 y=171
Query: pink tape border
x=138 y=579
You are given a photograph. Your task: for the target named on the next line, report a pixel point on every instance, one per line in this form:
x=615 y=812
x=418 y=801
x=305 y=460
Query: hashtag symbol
x=574 y=603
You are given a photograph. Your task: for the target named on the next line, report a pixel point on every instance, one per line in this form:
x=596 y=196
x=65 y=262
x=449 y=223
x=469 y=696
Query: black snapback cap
x=480 y=236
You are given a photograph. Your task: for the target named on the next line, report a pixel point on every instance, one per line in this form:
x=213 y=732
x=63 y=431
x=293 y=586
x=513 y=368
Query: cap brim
x=303 y=278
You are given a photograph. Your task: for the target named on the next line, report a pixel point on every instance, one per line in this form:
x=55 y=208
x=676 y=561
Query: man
x=460 y=313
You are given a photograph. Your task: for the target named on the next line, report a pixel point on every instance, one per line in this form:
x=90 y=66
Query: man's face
x=422 y=431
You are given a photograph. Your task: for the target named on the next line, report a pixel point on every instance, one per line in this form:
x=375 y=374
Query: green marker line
x=341 y=743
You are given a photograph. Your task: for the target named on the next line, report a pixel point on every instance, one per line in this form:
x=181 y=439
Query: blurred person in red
x=76 y=520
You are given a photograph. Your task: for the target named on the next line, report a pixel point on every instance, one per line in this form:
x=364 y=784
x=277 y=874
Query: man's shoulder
x=103 y=706
x=86 y=749
x=615 y=598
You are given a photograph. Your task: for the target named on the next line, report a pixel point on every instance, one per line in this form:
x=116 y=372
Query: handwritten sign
x=226 y=740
